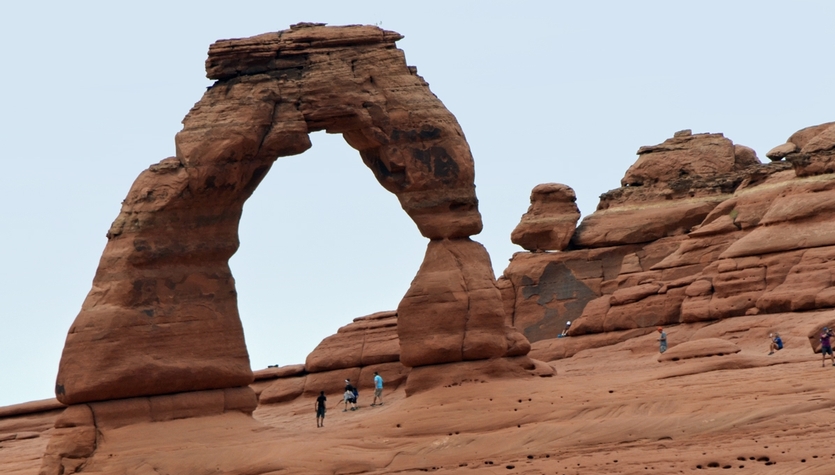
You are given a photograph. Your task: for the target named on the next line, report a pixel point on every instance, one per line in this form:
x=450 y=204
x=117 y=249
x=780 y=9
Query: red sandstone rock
x=699 y=349
x=281 y=390
x=816 y=154
x=699 y=155
x=762 y=248
x=550 y=221
x=453 y=310
x=603 y=392
x=425 y=378
x=779 y=152
x=560 y=348
x=670 y=190
x=806 y=134
x=285 y=371
x=162 y=314
x=43 y=405
x=361 y=343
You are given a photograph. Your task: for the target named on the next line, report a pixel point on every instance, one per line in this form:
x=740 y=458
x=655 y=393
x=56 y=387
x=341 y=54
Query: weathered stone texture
x=162 y=314
x=700 y=231
x=550 y=221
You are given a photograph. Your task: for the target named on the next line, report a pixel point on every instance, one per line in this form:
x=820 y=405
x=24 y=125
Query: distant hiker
x=776 y=343
x=378 y=389
x=320 y=409
x=826 y=346
x=565 y=330
x=350 y=396
x=662 y=340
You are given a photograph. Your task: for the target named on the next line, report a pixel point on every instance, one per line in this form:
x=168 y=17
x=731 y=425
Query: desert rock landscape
x=702 y=239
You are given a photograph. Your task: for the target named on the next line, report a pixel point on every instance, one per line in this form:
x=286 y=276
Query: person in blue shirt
x=378 y=389
x=776 y=343
x=662 y=340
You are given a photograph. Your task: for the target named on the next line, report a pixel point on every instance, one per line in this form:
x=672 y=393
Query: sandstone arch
x=162 y=314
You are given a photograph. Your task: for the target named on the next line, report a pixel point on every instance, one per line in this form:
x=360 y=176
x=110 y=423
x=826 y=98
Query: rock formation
x=162 y=315
x=699 y=231
x=156 y=369
x=355 y=352
x=550 y=221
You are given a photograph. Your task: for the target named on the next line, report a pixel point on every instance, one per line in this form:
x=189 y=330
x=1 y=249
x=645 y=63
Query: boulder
x=686 y=154
x=779 y=152
x=816 y=153
x=550 y=221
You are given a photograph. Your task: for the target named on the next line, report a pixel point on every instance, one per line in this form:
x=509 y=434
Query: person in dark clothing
x=320 y=409
x=350 y=396
x=826 y=346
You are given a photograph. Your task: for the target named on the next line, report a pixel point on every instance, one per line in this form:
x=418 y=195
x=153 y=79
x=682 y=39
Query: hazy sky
x=93 y=93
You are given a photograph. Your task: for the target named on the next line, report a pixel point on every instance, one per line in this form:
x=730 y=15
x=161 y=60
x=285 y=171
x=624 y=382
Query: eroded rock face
x=162 y=314
x=670 y=189
x=729 y=238
x=550 y=221
x=368 y=340
x=814 y=152
x=454 y=295
x=687 y=155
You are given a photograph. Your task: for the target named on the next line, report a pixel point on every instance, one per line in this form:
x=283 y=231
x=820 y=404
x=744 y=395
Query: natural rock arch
x=162 y=313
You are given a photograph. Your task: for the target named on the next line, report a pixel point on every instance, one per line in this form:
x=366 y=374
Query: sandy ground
x=613 y=410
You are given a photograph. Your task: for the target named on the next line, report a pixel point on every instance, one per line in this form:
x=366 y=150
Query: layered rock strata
x=355 y=352
x=699 y=233
x=76 y=435
x=162 y=313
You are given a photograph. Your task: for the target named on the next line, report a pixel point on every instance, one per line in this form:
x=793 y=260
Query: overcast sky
x=92 y=93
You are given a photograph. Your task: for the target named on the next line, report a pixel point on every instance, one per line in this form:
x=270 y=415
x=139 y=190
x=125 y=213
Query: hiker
x=776 y=343
x=662 y=340
x=350 y=396
x=378 y=389
x=565 y=330
x=826 y=346
x=320 y=409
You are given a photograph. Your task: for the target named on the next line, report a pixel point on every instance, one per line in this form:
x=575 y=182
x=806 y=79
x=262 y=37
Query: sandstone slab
x=699 y=349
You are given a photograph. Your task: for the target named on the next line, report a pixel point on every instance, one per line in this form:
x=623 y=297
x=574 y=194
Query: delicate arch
x=162 y=314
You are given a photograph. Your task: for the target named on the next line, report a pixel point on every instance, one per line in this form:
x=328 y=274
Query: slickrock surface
x=162 y=314
x=613 y=409
x=25 y=431
x=700 y=231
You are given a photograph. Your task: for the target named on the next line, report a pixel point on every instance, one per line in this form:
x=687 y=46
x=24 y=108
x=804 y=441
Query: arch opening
x=321 y=243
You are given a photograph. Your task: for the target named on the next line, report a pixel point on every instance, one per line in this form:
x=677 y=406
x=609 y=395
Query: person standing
x=320 y=409
x=662 y=340
x=378 y=389
x=350 y=396
x=826 y=346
